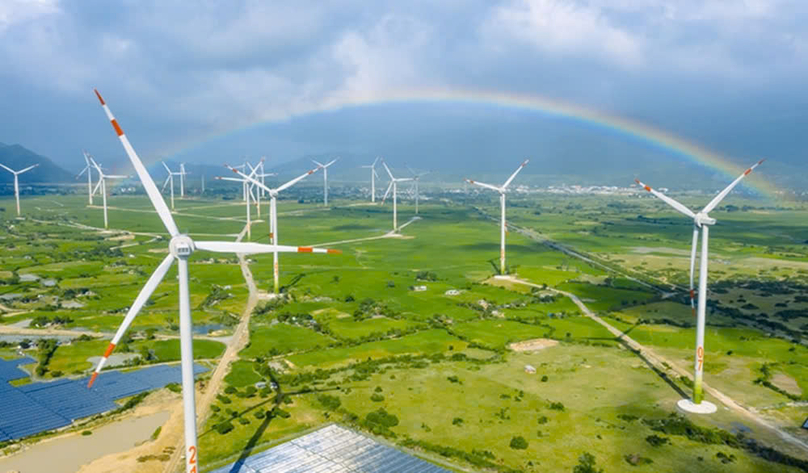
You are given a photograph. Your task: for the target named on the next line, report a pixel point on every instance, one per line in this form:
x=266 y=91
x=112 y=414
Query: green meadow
x=417 y=325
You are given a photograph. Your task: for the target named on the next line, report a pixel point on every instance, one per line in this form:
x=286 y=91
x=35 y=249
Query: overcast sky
x=729 y=74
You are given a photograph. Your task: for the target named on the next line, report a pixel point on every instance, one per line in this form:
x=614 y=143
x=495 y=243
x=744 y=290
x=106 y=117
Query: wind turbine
x=502 y=190
x=17 y=182
x=250 y=188
x=416 y=177
x=373 y=176
x=88 y=168
x=394 y=185
x=324 y=167
x=273 y=212
x=701 y=221
x=170 y=181
x=180 y=247
x=263 y=175
x=102 y=185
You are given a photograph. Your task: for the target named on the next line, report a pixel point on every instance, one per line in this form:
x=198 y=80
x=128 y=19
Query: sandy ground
x=533 y=345
x=786 y=383
x=68 y=454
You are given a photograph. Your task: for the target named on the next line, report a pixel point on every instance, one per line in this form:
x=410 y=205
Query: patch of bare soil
x=533 y=345
x=787 y=384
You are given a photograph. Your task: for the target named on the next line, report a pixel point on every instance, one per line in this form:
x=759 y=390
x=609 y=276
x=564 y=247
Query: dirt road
x=664 y=365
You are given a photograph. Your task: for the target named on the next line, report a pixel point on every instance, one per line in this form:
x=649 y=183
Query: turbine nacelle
x=181 y=246
x=702 y=218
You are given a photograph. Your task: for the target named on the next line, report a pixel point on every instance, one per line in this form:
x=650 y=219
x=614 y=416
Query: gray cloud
x=179 y=71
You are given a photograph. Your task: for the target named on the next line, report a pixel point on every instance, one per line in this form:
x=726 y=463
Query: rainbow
x=629 y=129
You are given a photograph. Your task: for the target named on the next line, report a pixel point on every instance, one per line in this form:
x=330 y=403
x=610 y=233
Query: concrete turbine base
x=705 y=407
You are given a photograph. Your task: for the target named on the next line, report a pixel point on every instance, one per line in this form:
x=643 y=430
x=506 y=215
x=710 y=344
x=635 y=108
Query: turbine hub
x=181 y=246
x=703 y=219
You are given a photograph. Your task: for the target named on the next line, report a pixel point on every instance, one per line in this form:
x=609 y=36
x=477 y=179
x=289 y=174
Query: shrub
x=174 y=387
x=230 y=390
x=543 y=420
x=223 y=399
x=457 y=421
x=224 y=427
x=376 y=397
x=557 y=406
x=331 y=403
x=518 y=443
x=657 y=441
x=86 y=432
x=378 y=389
x=243 y=420
x=544 y=379
x=586 y=464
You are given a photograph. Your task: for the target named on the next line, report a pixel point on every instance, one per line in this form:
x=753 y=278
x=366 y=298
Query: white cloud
x=17 y=11
x=559 y=28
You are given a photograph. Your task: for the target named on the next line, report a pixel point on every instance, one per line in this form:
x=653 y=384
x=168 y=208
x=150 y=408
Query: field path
x=664 y=365
x=241 y=336
x=389 y=234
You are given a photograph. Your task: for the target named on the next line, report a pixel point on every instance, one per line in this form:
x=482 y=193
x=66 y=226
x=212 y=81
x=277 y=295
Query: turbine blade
x=717 y=199
x=482 y=184
x=693 y=249
x=27 y=169
x=387 y=169
x=296 y=180
x=98 y=186
x=6 y=168
x=166 y=166
x=145 y=179
x=168 y=179
x=387 y=192
x=140 y=301
x=82 y=172
x=233 y=179
x=252 y=248
x=676 y=205
x=524 y=163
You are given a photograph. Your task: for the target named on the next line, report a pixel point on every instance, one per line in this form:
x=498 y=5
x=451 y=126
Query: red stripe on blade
x=99 y=97
x=304 y=249
x=334 y=252
x=117 y=127
x=648 y=188
x=746 y=173
x=109 y=350
x=92 y=380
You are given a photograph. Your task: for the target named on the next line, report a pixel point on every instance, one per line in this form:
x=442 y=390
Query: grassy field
x=357 y=325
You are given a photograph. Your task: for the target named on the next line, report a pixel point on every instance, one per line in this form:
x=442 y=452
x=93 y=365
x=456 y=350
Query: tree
x=519 y=443
x=586 y=464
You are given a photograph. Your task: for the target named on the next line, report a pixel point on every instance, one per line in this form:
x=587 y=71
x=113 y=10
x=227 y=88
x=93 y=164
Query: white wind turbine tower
x=324 y=167
x=502 y=190
x=273 y=213
x=393 y=185
x=102 y=185
x=701 y=221
x=373 y=176
x=182 y=180
x=17 y=182
x=416 y=177
x=88 y=168
x=180 y=247
x=170 y=181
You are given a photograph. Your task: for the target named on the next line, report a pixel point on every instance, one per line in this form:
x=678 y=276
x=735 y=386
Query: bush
x=377 y=397
x=518 y=443
x=243 y=420
x=86 y=432
x=382 y=418
x=331 y=403
x=224 y=427
x=657 y=441
x=586 y=464
x=457 y=421
x=215 y=408
x=223 y=399
x=543 y=420
x=230 y=390
x=557 y=406
x=260 y=414
x=544 y=379
x=378 y=389
x=174 y=387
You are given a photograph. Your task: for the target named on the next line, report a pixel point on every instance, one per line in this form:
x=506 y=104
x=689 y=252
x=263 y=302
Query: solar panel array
x=37 y=407
x=10 y=370
x=332 y=449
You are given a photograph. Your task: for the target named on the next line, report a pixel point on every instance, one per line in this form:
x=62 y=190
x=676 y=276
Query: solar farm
x=331 y=449
x=38 y=407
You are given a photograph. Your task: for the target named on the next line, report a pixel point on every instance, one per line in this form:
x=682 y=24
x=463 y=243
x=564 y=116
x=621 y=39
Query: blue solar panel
x=9 y=369
x=37 y=407
x=331 y=449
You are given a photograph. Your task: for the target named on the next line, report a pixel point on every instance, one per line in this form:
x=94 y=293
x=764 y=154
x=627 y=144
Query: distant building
x=419 y=288
x=530 y=369
x=452 y=292
x=260 y=385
